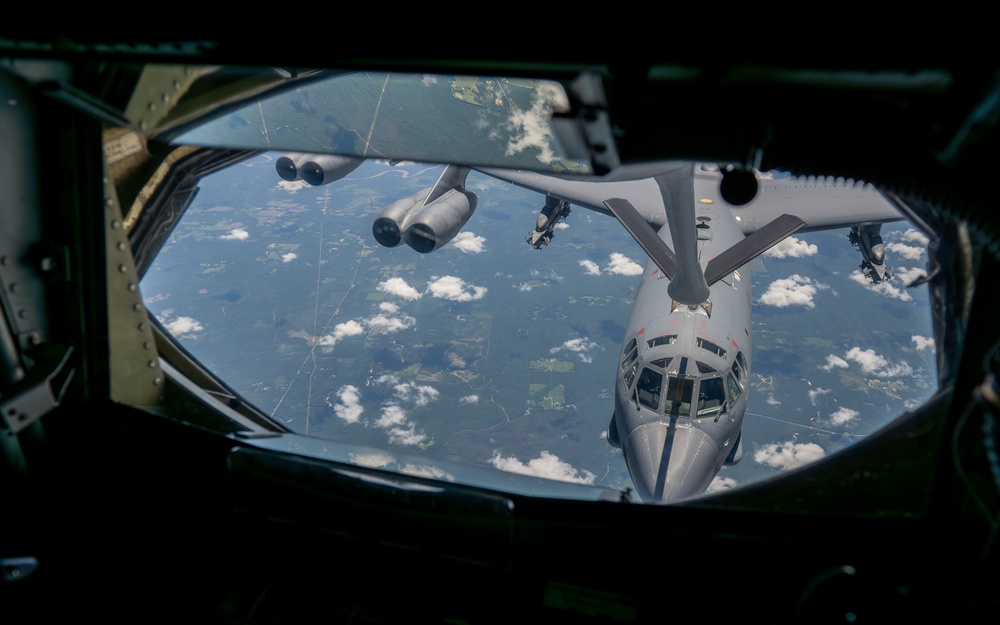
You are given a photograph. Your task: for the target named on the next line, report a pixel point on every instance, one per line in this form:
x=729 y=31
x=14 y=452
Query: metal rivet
x=131 y=285
x=157 y=381
x=152 y=364
x=121 y=245
x=115 y=224
x=124 y=269
x=142 y=326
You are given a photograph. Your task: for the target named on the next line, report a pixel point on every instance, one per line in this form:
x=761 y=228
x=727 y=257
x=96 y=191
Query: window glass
x=711 y=396
x=678 y=398
x=648 y=388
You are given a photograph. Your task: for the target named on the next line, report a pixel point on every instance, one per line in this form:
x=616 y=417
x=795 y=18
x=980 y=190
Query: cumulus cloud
x=791 y=247
x=843 y=416
x=816 y=392
x=720 y=483
x=908 y=276
x=393 y=419
x=348 y=328
x=293 y=186
x=788 y=455
x=582 y=347
x=834 y=361
x=420 y=395
x=399 y=288
x=590 y=268
x=390 y=323
x=469 y=399
x=181 y=327
x=916 y=236
x=423 y=470
x=877 y=364
x=922 y=342
x=289 y=257
x=349 y=408
x=236 y=234
x=622 y=265
x=373 y=459
x=909 y=252
x=531 y=128
x=546 y=465
x=469 y=243
x=455 y=289
x=794 y=290
x=887 y=288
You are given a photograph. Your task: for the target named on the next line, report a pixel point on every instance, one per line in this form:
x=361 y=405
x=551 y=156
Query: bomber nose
x=668 y=463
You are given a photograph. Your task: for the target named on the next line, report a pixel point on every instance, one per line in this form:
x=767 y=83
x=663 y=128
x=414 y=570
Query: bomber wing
x=822 y=203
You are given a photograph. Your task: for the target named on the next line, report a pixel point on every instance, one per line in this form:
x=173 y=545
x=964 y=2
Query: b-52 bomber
x=682 y=382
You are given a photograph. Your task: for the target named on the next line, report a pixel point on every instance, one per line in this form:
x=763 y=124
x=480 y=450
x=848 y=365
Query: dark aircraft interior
x=129 y=496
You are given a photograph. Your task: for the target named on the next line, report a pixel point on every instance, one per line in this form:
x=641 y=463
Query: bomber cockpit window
x=703 y=368
x=679 y=392
x=735 y=390
x=629 y=375
x=711 y=397
x=648 y=388
x=666 y=339
x=630 y=354
x=712 y=347
x=740 y=370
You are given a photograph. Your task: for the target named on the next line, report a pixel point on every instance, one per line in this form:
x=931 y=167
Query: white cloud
x=816 y=392
x=469 y=243
x=622 y=265
x=877 y=364
x=843 y=416
x=922 y=342
x=867 y=358
x=469 y=399
x=385 y=323
x=422 y=470
x=794 y=290
x=455 y=289
x=720 y=483
x=908 y=276
x=293 y=186
x=916 y=236
x=289 y=257
x=590 y=268
x=399 y=288
x=236 y=234
x=788 y=455
x=182 y=326
x=531 y=128
x=420 y=395
x=834 y=361
x=886 y=287
x=348 y=328
x=581 y=346
x=546 y=465
x=349 y=409
x=374 y=459
x=909 y=252
x=791 y=247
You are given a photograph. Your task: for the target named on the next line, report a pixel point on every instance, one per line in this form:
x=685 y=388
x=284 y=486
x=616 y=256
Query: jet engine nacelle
x=428 y=219
x=316 y=169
